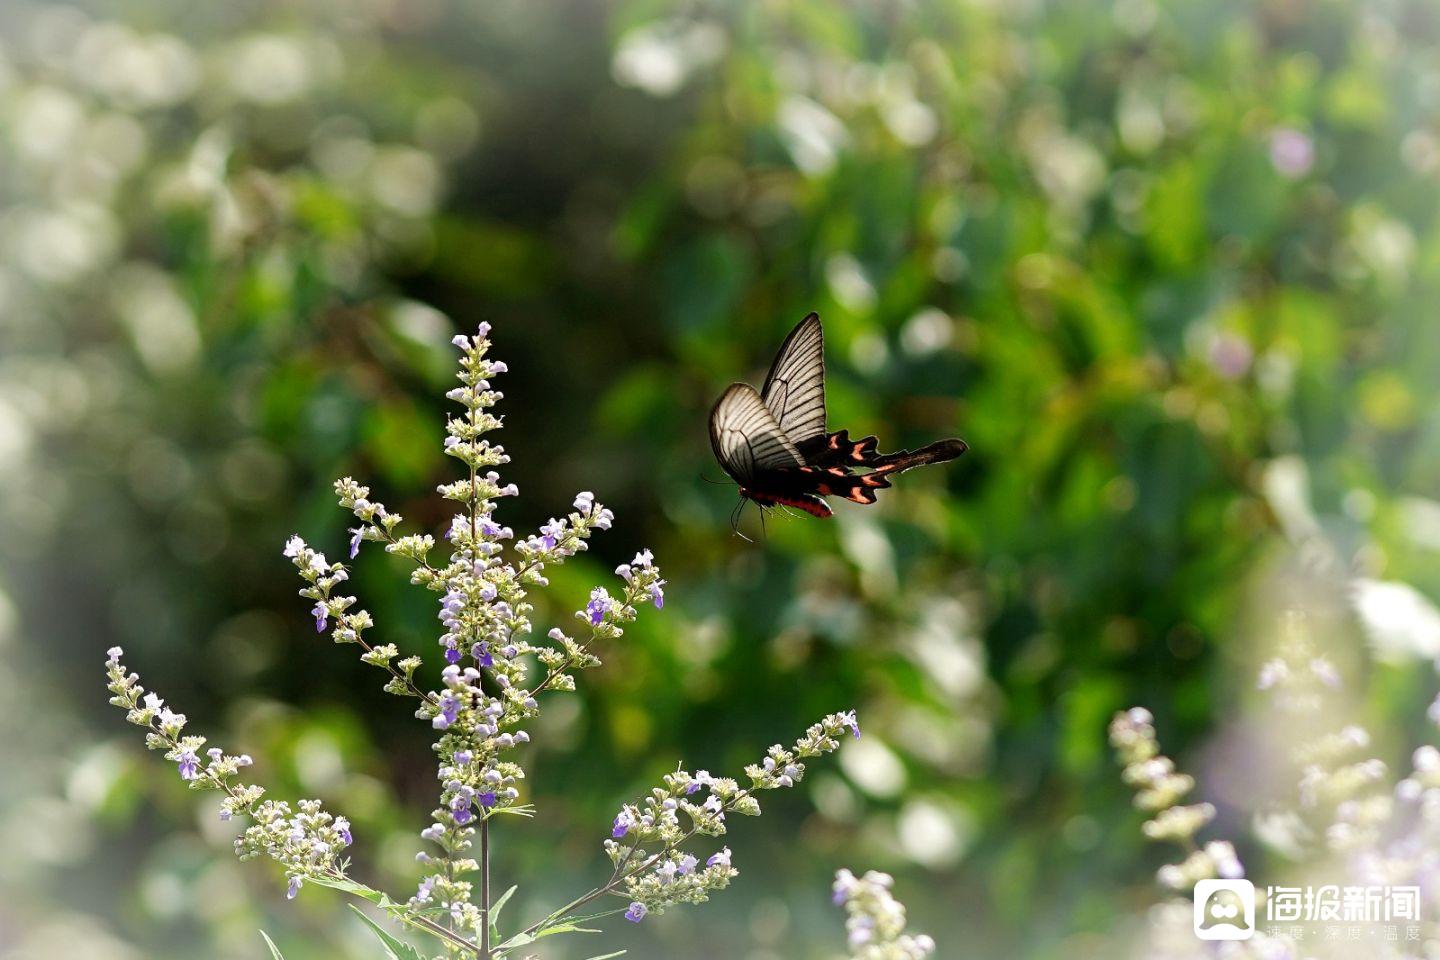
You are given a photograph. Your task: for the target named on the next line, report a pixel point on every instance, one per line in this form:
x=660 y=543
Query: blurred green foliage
x=1133 y=252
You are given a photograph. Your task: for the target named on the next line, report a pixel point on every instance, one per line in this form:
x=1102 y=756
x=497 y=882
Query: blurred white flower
x=659 y=57
x=45 y=123
x=873 y=767
x=160 y=323
x=1420 y=521
x=848 y=283
x=1400 y=622
x=406 y=180
x=932 y=835
x=269 y=68
x=1286 y=484
x=813 y=135
x=928 y=330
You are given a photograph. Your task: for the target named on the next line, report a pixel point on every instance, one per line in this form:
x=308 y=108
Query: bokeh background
x=1170 y=268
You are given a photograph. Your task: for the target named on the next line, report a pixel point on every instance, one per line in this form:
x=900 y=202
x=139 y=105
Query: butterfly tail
x=941 y=451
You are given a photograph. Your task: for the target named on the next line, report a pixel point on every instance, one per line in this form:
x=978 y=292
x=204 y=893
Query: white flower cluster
x=485 y=624
x=307 y=844
x=875 y=920
x=489 y=688
x=1342 y=791
x=655 y=881
x=1159 y=788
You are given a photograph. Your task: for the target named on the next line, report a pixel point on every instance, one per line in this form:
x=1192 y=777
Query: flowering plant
x=489 y=689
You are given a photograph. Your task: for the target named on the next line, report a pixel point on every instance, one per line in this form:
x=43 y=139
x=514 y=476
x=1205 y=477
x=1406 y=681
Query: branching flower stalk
x=488 y=691
x=875 y=920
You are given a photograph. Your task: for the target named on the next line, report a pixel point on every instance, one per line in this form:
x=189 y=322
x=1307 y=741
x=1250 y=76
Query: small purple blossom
x=452 y=654
x=449 y=709
x=481 y=653
x=355 y=541
x=295 y=884
x=460 y=810
x=636 y=913
x=849 y=719
x=1292 y=152
x=657 y=595
x=687 y=863
x=321 y=613
x=342 y=827
x=720 y=859
x=487 y=799
x=622 y=824
x=600 y=604
x=189 y=765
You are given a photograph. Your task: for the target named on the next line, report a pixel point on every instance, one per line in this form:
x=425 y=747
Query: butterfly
x=774 y=443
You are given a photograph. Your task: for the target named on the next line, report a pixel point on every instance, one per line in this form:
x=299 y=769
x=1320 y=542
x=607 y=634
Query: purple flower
x=636 y=913
x=551 y=532
x=849 y=719
x=623 y=822
x=449 y=709
x=686 y=864
x=721 y=859
x=1292 y=152
x=355 y=541
x=487 y=799
x=452 y=654
x=189 y=765
x=460 y=810
x=657 y=596
x=321 y=613
x=342 y=827
x=600 y=604
x=294 y=888
x=481 y=653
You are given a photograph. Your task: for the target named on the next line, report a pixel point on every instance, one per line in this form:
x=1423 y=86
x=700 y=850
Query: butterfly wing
x=794 y=388
x=746 y=438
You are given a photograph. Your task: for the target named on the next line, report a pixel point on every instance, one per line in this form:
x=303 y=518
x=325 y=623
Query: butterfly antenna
x=718 y=483
x=764 y=535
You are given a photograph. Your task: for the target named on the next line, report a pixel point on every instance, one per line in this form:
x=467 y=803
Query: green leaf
x=274 y=950
x=396 y=948
x=347 y=885
x=494 y=914
x=608 y=956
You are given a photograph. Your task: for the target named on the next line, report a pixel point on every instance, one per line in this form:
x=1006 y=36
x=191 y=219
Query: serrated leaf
x=274 y=950
x=397 y=949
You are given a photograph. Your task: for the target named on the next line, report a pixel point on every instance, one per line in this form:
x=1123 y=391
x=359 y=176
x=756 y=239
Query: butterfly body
x=775 y=445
